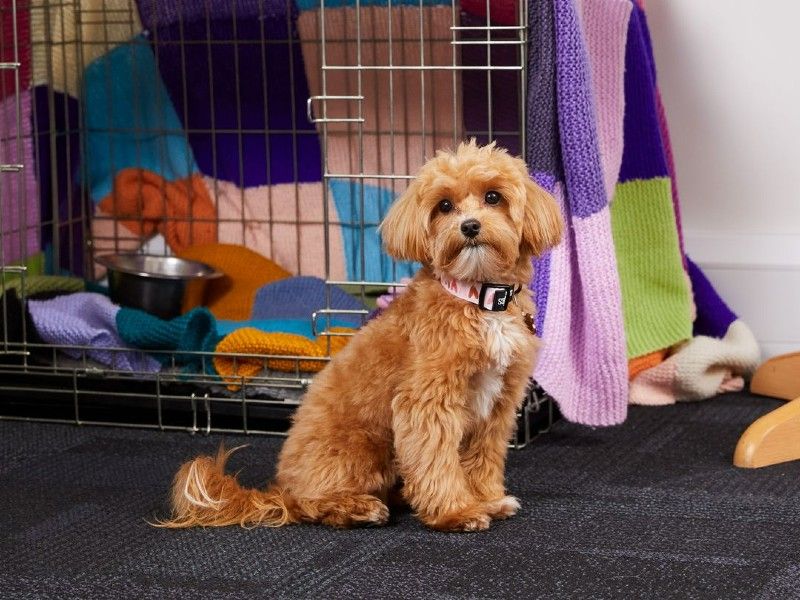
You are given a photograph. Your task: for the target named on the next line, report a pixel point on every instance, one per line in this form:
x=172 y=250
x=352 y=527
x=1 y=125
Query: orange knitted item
x=232 y=296
x=254 y=341
x=648 y=361
x=147 y=203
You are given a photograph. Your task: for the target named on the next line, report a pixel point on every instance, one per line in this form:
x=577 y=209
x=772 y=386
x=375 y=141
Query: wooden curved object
x=778 y=377
x=772 y=439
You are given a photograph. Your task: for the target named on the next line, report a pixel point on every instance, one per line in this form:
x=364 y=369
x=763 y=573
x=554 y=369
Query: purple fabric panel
x=504 y=88
x=713 y=315
x=541 y=265
x=155 y=13
x=583 y=172
x=63 y=190
x=19 y=201
x=224 y=89
x=643 y=156
x=541 y=123
x=87 y=319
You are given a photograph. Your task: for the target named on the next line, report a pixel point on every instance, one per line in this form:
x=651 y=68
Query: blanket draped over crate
x=187 y=121
x=615 y=298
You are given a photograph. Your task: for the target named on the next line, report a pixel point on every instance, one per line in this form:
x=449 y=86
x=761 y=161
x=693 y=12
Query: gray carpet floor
x=650 y=509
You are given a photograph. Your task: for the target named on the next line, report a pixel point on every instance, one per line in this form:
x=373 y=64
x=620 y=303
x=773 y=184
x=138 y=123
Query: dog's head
x=474 y=214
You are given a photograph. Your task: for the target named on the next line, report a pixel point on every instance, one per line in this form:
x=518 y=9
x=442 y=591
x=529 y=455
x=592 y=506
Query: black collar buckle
x=503 y=293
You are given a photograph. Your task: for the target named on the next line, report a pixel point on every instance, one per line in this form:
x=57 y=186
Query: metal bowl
x=164 y=286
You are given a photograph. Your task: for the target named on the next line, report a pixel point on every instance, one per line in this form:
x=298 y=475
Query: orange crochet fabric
x=254 y=341
x=648 y=361
x=232 y=296
x=147 y=203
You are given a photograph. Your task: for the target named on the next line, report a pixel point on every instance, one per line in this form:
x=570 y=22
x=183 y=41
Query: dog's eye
x=445 y=206
x=492 y=197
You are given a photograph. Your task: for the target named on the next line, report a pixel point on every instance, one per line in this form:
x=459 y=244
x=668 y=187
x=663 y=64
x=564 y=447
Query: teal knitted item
x=195 y=331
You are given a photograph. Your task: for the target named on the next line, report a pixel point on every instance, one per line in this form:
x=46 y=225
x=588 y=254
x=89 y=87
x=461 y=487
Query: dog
x=421 y=403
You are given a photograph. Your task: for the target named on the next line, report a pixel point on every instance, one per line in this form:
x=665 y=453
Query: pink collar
x=488 y=296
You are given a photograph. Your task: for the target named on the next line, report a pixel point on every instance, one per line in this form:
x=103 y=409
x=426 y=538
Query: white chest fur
x=504 y=337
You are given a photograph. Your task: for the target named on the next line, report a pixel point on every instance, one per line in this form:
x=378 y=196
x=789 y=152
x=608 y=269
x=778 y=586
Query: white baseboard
x=758 y=276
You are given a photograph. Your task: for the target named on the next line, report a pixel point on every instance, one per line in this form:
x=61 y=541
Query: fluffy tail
x=203 y=495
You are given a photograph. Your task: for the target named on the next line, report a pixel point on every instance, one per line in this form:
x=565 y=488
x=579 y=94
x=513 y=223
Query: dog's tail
x=204 y=495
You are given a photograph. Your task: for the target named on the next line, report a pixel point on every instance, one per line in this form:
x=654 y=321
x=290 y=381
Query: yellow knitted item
x=232 y=296
x=254 y=341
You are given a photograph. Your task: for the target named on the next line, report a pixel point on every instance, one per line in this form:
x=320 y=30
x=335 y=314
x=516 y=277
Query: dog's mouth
x=471 y=260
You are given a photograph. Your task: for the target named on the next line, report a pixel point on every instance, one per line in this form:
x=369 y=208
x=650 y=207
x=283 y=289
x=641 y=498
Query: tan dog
x=422 y=401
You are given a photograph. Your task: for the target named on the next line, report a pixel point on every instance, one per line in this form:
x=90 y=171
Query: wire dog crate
x=284 y=127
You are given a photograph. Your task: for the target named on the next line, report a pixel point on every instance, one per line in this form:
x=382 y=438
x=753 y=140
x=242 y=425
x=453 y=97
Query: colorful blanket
x=615 y=298
x=19 y=201
x=406 y=114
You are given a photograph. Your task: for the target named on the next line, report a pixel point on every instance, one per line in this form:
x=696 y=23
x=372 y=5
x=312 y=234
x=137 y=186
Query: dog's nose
x=471 y=227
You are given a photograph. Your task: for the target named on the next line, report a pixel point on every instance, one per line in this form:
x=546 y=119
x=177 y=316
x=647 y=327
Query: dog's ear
x=542 y=225
x=404 y=230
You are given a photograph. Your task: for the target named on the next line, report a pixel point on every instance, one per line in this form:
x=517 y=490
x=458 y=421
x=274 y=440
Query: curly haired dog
x=422 y=401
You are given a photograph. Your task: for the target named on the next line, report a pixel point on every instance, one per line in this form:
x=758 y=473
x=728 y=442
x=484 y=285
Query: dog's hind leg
x=342 y=479
x=344 y=511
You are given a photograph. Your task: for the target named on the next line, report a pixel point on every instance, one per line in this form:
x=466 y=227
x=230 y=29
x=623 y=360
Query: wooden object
x=778 y=377
x=772 y=439
x=775 y=437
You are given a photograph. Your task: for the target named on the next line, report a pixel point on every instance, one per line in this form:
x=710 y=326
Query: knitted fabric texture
x=145 y=203
x=19 y=201
x=245 y=92
x=42 y=284
x=582 y=363
x=419 y=133
x=283 y=222
x=656 y=297
x=10 y=54
x=142 y=130
x=87 y=319
x=178 y=338
x=57 y=140
x=232 y=296
x=254 y=341
x=716 y=360
x=67 y=36
x=301 y=327
x=300 y=297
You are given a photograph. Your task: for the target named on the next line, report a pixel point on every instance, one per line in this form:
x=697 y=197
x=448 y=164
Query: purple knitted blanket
x=87 y=319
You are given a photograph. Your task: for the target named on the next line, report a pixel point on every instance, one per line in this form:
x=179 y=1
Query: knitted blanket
x=284 y=222
x=300 y=297
x=615 y=297
x=177 y=339
x=23 y=46
x=236 y=80
x=232 y=296
x=143 y=203
x=582 y=363
x=67 y=36
x=271 y=345
x=56 y=167
x=712 y=362
x=19 y=200
x=88 y=320
x=130 y=120
x=407 y=114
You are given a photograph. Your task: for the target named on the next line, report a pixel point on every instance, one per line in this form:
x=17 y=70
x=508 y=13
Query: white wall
x=729 y=73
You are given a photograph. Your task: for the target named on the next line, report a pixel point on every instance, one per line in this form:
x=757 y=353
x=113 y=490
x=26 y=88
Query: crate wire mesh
x=385 y=85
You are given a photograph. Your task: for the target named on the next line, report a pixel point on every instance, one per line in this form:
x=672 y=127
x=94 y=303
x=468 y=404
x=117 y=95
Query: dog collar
x=488 y=296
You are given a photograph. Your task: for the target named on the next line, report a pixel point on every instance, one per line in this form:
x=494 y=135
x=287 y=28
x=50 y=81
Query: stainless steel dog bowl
x=164 y=286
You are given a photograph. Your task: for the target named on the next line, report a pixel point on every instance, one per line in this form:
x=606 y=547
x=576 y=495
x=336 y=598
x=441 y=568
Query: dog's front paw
x=468 y=519
x=502 y=508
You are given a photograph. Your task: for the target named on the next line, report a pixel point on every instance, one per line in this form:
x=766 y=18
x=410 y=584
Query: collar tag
x=495 y=296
